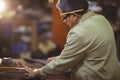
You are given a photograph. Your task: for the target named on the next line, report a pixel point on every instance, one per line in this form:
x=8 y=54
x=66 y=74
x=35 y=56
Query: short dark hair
x=72 y=5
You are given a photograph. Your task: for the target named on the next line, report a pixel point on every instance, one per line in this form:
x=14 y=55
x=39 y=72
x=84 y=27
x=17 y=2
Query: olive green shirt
x=89 y=52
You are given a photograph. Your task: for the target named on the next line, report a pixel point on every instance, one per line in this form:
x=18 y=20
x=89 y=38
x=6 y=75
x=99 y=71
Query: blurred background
x=33 y=28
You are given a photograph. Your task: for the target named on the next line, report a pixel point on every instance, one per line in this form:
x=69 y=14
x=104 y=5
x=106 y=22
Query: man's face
x=68 y=18
x=71 y=19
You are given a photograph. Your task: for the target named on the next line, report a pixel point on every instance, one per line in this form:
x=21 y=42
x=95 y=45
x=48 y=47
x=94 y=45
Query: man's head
x=72 y=5
x=72 y=8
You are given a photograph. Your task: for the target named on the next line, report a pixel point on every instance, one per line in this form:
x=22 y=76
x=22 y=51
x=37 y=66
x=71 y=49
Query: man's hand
x=50 y=59
x=32 y=73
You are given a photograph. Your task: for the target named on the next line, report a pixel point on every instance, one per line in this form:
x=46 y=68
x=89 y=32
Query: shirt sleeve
x=74 y=50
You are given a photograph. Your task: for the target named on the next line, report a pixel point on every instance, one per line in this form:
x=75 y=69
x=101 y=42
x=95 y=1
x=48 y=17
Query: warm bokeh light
x=20 y=7
x=1 y=16
x=50 y=1
x=2 y=5
x=9 y=14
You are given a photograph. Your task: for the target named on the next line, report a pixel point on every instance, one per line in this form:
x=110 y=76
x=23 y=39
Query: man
x=90 y=50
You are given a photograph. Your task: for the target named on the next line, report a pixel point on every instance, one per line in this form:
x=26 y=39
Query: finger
x=48 y=60
x=28 y=75
x=29 y=70
x=51 y=59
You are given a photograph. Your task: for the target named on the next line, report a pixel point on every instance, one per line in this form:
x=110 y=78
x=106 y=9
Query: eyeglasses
x=67 y=14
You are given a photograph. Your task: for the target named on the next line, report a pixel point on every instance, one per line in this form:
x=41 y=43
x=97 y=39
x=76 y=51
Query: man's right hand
x=51 y=59
x=31 y=73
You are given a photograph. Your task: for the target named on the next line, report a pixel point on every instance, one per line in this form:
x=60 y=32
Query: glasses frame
x=67 y=14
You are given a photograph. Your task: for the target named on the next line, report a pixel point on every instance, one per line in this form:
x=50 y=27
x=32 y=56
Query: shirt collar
x=87 y=15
